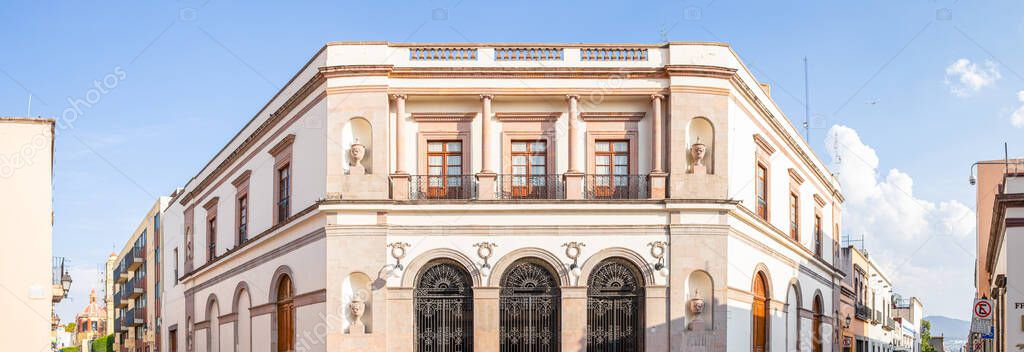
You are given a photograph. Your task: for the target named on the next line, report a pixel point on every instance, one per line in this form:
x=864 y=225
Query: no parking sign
x=982 y=318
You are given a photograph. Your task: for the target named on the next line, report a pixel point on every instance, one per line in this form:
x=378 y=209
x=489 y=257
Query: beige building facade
x=26 y=230
x=545 y=197
x=137 y=284
x=874 y=318
x=1001 y=183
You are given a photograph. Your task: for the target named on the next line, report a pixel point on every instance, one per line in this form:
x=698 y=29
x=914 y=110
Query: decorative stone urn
x=697 y=152
x=356 y=153
x=696 y=306
x=357 y=308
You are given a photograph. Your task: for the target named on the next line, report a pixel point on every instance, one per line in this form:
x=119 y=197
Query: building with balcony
x=875 y=319
x=1000 y=227
x=542 y=197
x=26 y=235
x=136 y=286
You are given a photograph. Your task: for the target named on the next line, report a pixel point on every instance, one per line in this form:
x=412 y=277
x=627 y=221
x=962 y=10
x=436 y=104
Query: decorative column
x=485 y=178
x=658 y=174
x=399 y=179
x=574 y=176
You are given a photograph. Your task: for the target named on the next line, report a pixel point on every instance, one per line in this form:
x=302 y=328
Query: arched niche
x=356 y=287
x=700 y=286
x=357 y=131
x=700 y=130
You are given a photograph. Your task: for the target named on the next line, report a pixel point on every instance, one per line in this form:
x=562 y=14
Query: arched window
x=443 y=301
x=819 y=309
x=615 y=307
x=285 y=315
x=759 y=326
x=529 y=303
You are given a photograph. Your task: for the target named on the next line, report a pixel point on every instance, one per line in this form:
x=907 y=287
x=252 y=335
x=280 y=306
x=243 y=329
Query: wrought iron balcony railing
x=890 y=324
x=442 y=187
x=615 y=187
x=530 y=187
x=863 y=312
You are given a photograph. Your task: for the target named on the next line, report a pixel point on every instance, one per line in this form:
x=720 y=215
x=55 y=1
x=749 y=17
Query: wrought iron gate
x=529 y=303
x=615 y=308
x=443 y=301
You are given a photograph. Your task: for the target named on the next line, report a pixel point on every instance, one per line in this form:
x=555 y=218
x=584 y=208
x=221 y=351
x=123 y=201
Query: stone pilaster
x=486 y=319
x=574 y=319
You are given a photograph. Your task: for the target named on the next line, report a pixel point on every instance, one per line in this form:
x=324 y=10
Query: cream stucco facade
x=334 y=222
x=26 y=228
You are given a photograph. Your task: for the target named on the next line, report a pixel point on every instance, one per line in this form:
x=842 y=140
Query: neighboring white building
x=415 y=197
x=26 y=234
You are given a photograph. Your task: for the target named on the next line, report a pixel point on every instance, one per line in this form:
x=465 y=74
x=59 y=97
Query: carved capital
x=398 y=97
x=657 y=97
x=486 y=96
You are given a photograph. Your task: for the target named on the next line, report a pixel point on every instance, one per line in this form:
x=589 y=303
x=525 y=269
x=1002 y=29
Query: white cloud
x=1017 y=118
x=965 y=77
x=911 y=238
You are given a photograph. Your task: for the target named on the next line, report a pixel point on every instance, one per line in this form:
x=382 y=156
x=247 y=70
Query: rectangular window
x=175 y=266
x=243 y=219
x=611 y=167
x=794 y=216
x=761 y=188
x=444 y=168
x=817 y=236
x=284 y=192
x=529 y=167
x=211 y=236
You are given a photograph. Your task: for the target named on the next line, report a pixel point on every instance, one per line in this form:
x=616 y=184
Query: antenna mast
x=807 y=105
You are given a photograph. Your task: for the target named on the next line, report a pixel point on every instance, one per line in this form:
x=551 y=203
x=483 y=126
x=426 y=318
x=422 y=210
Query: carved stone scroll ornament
x=658 y=252
x=398 y=251
x=485 y=250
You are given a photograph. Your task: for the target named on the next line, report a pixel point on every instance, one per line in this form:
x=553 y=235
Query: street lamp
x=847 y=321
x=65 y=283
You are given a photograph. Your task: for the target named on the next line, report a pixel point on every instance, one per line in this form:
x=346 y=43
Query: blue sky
x=189 y=74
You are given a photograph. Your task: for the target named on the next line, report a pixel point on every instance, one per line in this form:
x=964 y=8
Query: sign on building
x=981 y=321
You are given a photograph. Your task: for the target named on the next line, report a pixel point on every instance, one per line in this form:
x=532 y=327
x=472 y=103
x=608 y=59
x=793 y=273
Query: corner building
x=508 y=197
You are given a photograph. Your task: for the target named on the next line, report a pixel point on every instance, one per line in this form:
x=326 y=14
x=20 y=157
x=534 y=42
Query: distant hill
x=951 y=328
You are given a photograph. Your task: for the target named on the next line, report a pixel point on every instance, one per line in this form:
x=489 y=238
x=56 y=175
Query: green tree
x=926 y=336
x=70 y=327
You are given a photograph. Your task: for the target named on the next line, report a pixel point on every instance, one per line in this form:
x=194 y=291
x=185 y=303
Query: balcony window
x=284 y=195
x=611 y=178
x=444 y=169
x=211 y=235
x=529 y=177
x=243 y=219
x=817 y=236
x=761 y=189
x=794 y=216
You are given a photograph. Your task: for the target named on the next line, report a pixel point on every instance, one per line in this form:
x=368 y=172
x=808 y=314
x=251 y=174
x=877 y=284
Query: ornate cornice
x=700 y=71
x=356 y=70
x=763 y=144
x=795 y=176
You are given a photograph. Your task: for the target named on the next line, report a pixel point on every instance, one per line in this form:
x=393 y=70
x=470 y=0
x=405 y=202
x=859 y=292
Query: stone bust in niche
x=697 y=153
x=356 y=153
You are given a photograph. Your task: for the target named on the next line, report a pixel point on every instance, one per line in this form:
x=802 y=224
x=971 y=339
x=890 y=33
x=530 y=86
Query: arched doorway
x=793 y=318
x=819 y=309
x=530 y=298
x=443 y=302
x=285 y=315
x=759 y=314
x=615 y=307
